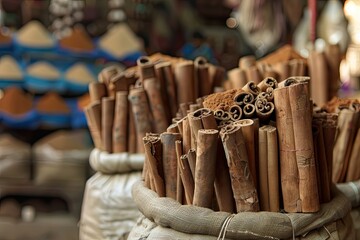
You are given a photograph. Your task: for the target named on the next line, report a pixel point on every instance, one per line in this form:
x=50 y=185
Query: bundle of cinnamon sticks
x=346 y=133
x=239 y=165
x=125 y=105
x=322 y=67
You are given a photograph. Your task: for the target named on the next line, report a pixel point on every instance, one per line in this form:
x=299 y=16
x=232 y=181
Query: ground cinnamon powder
x=335 y=103
x=77 y=41
x=52 y=103
x=283 y=54
x=15 y=102
x=221 y=100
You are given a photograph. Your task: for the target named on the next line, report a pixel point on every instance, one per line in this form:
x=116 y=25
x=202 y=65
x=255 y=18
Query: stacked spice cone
x=125 y=105
x=246 y=162
x=322 y=67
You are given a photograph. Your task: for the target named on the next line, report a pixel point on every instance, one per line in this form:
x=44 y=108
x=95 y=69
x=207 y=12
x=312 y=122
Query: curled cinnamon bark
x=252 y=88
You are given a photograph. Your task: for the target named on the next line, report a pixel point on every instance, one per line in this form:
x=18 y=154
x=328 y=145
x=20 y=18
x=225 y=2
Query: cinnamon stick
x=283 y=69
x=120 y=125
x=223 y=190
x=299 y=99
x=235 y=112
x=146 y=68
x=353 y=173
x=107 y=120
x=117 y=83
x=249 y=111
x=273 y=169
x=205 y=167
x=192 y=161
x=266 y=83
x=288 y=165
x=153 y=159
x=142 y=115
x=264 y=109
x=173 y=128
x=169 y=161
x=244 y=98
x=179 y=184
x=319 y=78
x=131 y=134
x=97 y=91
x=345 y=135
x=95 y=130
x=237 y=77
x=184 y=78
x=165 y=74
x=186 y=135
x=244 y=190
x=253 y=74
x=324 y=188
x=187 y=178
x=252 y=88
x=201 y=119
x=263 y=171
x=152 y=88
x=248 y=133
x=247 y=61
x=204 y=82
x=333 y=59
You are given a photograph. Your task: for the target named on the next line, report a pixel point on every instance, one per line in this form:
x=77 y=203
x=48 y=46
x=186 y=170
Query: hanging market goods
x=80 y=74
x=15 y=102
x=52 y=103
x=43 y=70
x=152 y=89
x=77 y=41
x=322 y=67
x=9 y=69
x=346 y=144
x=34 y=34
x=120 y=41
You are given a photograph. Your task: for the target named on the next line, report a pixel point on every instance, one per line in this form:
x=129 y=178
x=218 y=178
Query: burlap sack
x=352 y=192
x=167 y=219
x=115 y=162
x=15 y=158
x=62 y=158
x=108 y=210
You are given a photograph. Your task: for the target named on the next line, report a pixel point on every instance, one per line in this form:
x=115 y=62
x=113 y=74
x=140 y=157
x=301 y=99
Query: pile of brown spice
x=34 y=34
x=77 y=41
x=52 y=103
x=221 y=100
x=283 y=54
x=16 y=102
x=335 y=103
x=83 y=101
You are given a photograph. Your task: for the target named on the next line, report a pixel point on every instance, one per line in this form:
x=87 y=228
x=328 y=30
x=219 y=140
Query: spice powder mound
x=79 y=73
x=52 y=103
x=78 y=41
x=43 y=70
x=35 y=34
x=15 y=102
x=9 y=69
x=221 y=100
